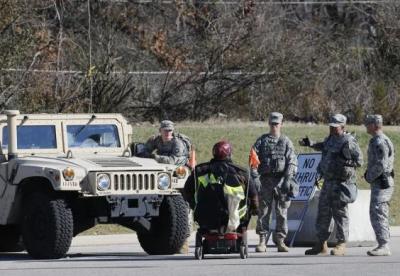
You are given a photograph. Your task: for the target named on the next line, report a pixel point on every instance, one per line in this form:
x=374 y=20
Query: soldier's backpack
x=186 y=140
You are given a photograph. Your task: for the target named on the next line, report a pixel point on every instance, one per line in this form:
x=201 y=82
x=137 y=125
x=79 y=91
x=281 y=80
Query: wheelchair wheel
x=198 y=253
x=199 y=239
x=244 y=247
x=243 y=252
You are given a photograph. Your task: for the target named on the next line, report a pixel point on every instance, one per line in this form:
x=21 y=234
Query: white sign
x=306 y=175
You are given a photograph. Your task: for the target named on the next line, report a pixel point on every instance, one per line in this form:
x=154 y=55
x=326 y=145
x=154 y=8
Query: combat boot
x=339 y=249
x=381 y=250
x=282 y=246
x=262 y=247
x=320 y=247
x=185 y=248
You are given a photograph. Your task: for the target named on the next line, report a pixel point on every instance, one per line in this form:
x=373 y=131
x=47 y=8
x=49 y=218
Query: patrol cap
x=376 y=119
x=275 y=118
x=167 y=125
x=337 y=120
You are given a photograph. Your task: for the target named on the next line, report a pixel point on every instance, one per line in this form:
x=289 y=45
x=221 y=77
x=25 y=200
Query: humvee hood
x=98 y=163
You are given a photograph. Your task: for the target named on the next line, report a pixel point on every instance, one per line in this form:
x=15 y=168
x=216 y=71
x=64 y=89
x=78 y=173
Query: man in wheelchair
x=221 y=194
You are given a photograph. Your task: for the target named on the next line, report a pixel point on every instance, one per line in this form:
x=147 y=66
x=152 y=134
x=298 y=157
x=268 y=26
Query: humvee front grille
x=133 y=181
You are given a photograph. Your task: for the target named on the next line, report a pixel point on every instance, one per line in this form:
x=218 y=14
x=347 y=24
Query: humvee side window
x=91 y=136
x=33 y=137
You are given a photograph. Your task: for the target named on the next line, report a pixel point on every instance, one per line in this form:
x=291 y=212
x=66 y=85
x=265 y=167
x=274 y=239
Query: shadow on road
x=85 y=257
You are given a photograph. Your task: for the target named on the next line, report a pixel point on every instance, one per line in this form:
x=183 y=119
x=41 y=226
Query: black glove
x=253 y=207
x=384 y=181
x=365 y=175
x=285 y=186
x=305 y=142
x=318 y=182
x=255 y=180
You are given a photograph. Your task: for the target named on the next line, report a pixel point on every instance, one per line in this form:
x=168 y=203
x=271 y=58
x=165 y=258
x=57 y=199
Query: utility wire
x=91 y=68
x=137 y=73
x=283 y=2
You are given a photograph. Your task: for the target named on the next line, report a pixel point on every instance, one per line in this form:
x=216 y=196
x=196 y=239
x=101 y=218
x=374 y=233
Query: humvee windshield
x=33 y=137
x=89 y=136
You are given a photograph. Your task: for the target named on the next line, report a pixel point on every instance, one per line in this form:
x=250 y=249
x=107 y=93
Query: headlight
x=180 y=172
x=68 y=174
x=163 y=181
x=103 y=182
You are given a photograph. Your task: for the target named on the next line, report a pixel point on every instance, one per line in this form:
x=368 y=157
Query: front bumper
x=134 y=205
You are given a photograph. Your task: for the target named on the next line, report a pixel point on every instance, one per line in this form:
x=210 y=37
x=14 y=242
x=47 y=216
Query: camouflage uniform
x=171 y=152
x=278 y=164
x=380 y=164
x=340 y=156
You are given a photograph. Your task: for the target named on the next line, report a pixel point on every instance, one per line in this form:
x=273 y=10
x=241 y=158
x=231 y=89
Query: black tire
x=47 y=226
x=169 y=230
x=10 y=239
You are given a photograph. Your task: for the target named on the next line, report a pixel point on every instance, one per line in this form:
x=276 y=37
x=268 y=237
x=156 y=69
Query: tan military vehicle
x=61 y=174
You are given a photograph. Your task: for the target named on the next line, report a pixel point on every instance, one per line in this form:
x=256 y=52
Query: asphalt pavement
x=122 y=255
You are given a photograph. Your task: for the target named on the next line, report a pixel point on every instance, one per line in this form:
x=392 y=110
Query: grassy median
x=243 y=134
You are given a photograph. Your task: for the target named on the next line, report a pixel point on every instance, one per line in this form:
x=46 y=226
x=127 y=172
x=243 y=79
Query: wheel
x=47 y=226
x=169 y=230
x=10 y=239
x=198 y=253
x=244 y=247
x=243 y=251
x=199 y=239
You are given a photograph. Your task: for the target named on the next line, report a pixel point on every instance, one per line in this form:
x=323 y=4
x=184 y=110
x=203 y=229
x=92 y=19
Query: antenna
x=90 y=71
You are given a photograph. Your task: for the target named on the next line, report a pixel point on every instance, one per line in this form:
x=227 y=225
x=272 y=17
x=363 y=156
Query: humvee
x=61 y=174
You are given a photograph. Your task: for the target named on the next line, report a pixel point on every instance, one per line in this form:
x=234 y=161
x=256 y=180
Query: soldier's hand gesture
x=305 y=142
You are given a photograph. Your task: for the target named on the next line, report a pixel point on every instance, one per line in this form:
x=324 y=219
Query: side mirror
x=138 y=149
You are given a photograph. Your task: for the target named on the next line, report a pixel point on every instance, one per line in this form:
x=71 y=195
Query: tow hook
x=112 y=202
x=155 y=202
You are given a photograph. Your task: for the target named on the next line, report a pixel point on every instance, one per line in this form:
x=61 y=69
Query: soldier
x=380 y=175
x=167 y=147
x=341 y=154
x=277 y=168
x=170 y=148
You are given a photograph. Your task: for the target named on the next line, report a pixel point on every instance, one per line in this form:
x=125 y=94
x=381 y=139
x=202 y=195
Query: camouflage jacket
x=340 y=156
x=380 y=157
x=277 y=156
x=171 y=152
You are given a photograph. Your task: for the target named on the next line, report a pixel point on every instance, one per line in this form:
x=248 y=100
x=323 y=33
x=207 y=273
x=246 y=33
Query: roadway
x=122 y=255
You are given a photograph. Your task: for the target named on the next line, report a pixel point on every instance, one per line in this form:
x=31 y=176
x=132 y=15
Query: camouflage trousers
x=329 y=206
x=268 y=195
x=379 y=212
